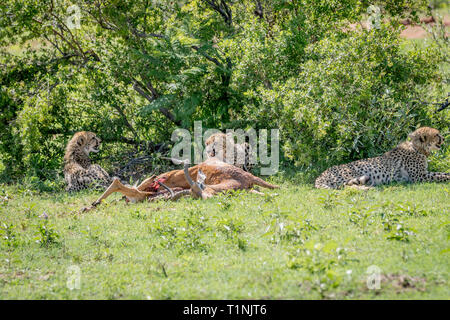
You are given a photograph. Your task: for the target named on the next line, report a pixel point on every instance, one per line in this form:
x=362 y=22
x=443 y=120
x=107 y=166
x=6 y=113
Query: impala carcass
x=211 y=176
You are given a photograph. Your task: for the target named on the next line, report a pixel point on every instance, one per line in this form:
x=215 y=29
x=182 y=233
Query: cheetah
x=79 y=172
x=218 y=144
x=405 y=163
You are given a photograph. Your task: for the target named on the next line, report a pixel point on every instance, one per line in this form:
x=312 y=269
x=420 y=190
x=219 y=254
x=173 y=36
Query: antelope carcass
x=211 y=176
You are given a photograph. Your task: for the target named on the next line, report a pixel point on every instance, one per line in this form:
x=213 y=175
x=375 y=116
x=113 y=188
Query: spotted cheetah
x=79 y=172
x=405 y=163
x=218 y=144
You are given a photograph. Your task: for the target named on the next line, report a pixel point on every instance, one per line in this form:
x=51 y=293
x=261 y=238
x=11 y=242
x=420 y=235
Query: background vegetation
x=135 y=70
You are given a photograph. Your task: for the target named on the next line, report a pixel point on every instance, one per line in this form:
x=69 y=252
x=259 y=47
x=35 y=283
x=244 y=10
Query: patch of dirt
x=397 y=282
x=15 y=275
x=7 y=277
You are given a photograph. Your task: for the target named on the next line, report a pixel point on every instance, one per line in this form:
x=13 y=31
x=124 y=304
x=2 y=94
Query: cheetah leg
x=99 y=172
x=359 y=187
x=358 y=181
x=434 y=177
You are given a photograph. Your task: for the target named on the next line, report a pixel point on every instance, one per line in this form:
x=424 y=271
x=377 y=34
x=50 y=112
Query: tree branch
x=214 y=60
x=125 y=119
x=259 y=10
x=222 y=8
x=149 y=98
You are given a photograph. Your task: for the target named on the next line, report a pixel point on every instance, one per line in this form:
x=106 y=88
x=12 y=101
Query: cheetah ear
x=423 y=138
x=80 y=141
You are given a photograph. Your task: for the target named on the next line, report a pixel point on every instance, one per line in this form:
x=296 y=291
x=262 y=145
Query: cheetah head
x=88 y=141
x=215 y=145
x=218 y=144
x=426 y=139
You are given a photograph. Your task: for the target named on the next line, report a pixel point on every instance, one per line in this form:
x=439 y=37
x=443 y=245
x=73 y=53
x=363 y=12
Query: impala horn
x=196 y=187
x=167 y=188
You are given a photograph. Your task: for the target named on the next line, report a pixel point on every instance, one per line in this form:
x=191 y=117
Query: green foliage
x=9 y=236
x=394 y=226
x=182 y=235
x=320 y=262
x=290 y=232
x=355 y=97
x=47 y=235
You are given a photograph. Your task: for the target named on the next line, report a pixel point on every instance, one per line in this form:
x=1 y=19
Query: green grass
x=292 y=243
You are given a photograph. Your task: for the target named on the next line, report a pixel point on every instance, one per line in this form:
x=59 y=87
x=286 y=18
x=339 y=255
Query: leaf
x=194 y=71
x=330 y=247
x=162 y=102
x=191 y=102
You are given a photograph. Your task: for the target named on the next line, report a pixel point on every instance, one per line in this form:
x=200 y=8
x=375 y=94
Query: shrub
x=356 y=96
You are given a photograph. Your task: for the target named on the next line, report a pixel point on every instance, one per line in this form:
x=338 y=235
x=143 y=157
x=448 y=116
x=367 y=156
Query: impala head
x=198 y=186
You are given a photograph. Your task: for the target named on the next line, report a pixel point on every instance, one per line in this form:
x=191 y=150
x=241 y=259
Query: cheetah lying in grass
x=405 y=163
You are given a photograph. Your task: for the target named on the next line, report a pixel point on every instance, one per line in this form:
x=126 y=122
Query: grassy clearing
x=292 y=243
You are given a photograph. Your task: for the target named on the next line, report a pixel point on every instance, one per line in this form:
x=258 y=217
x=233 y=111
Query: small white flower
x=44 y=215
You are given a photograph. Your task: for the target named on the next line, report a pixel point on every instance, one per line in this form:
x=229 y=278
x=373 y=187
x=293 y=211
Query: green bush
x=135 y=71
x=356 y=96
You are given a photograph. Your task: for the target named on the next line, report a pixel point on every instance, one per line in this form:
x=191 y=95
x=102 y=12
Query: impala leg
x=116 y=186
x=220 y=187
